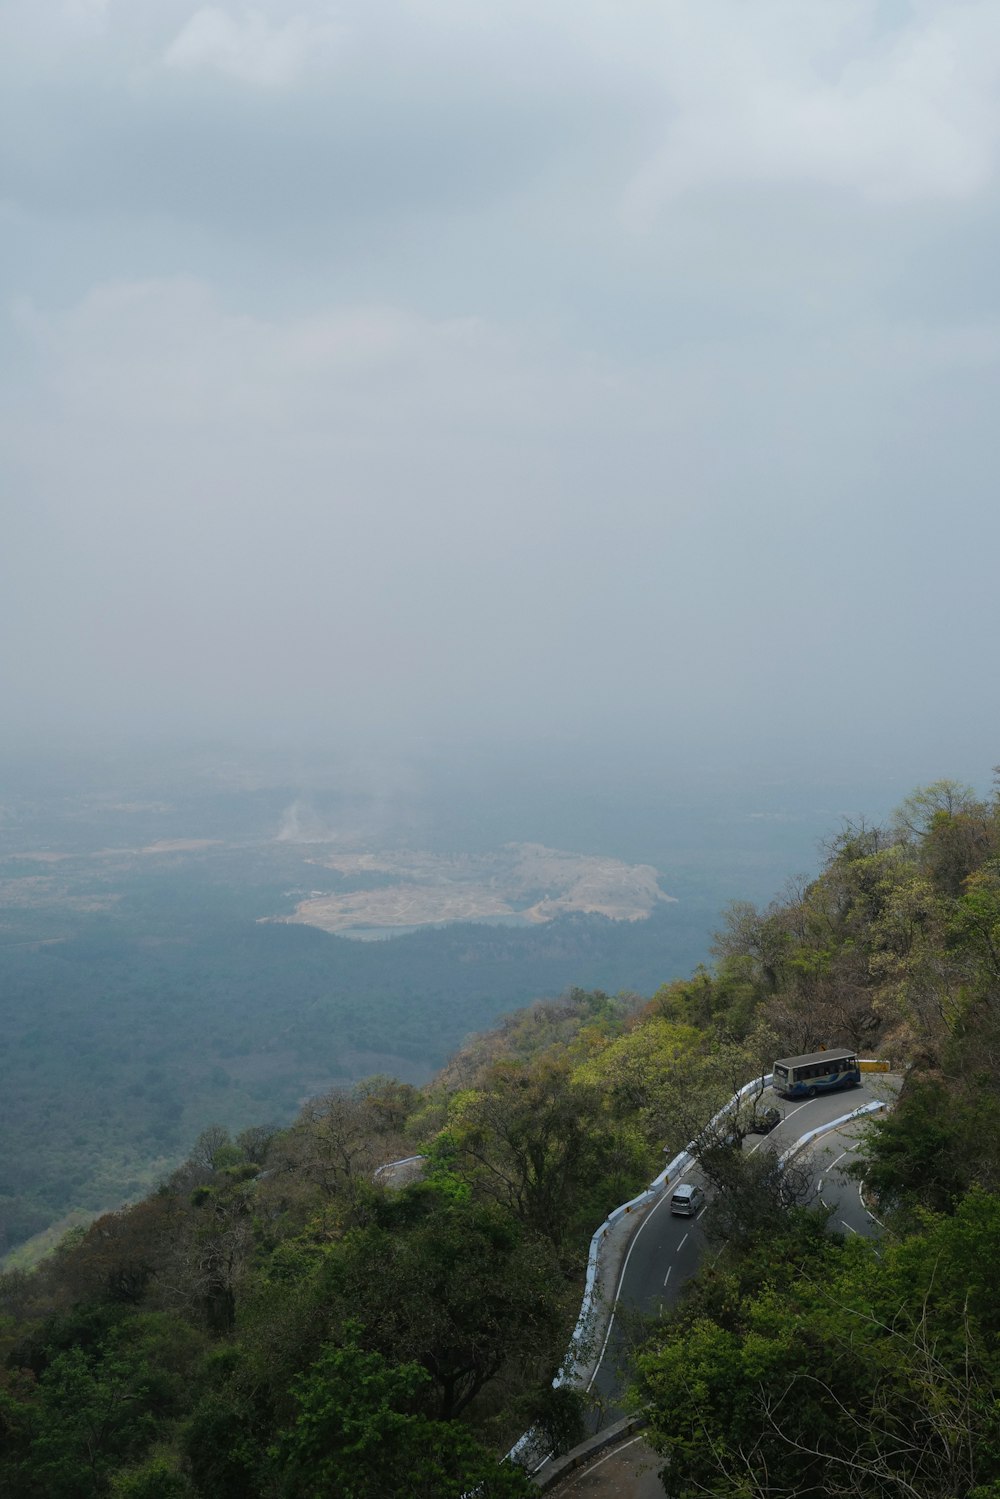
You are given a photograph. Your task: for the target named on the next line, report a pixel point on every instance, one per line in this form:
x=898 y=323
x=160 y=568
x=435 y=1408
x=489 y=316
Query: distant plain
x=157 y=972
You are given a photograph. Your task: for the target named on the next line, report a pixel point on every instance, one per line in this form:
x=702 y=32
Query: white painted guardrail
x=824 y=1129
x=408 y=1160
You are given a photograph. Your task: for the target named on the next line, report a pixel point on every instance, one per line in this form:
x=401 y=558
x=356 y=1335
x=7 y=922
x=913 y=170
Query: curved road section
x=827 y=1161
x=652 y=1275
x=665 y=1251
x=628 y=1471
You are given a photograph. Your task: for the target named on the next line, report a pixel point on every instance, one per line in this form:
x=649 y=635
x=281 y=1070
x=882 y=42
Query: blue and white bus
x=817 y=1072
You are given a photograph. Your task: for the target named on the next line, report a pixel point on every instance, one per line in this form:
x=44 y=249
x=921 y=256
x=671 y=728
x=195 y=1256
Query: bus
x=817 y=1072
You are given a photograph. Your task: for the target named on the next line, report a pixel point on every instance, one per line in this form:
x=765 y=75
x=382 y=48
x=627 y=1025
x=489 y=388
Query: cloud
x=249 y=47
x=408 y=360
x=585 y=119
x=365 y=516
x=820 y=96
x=338 y=508
x=168 y=353
x=87 y=13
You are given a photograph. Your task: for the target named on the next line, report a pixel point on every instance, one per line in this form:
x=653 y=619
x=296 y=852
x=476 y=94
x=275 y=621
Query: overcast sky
x=387 y=369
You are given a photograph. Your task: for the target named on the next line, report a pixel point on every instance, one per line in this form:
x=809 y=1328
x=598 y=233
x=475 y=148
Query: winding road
x=665 y=1251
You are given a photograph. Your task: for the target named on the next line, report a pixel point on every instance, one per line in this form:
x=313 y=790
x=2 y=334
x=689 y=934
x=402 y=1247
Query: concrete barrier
x=580 y=1456
x=408 y=1160
x=824 y=1129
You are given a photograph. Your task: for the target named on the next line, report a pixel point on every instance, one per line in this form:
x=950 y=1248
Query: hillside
x=271 y=1322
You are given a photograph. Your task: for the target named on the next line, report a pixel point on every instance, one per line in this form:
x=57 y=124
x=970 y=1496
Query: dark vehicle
x=764 y=1122
x=721 y=1137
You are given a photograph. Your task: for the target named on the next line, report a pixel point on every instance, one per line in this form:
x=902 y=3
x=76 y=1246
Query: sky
x=481 y=371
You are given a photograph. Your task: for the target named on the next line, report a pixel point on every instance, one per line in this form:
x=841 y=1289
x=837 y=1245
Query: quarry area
x=521 y=882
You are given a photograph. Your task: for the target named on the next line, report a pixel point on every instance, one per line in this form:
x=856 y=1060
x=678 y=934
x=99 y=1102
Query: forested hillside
x=124 y=1039
x=805 y=1365
x=277 y=1320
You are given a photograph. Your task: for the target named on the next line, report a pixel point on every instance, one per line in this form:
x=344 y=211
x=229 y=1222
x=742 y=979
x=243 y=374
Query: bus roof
x=811 y=1057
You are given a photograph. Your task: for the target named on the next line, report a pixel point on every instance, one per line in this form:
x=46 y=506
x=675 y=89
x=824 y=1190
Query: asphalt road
x=665 y=1251
x=827 y=1162
x=629 y=1471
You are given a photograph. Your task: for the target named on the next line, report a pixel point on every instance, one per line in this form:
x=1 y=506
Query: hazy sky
x=476 y=368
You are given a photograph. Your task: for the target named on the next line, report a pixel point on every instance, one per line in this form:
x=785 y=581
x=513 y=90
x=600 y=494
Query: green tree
x=919 y=1154
x=975 y=922
x=225 y=1441
x=854 y=1373
x=93 y=1414
x=359 y=1432
x=157 y=1478
x=638 y=1072
x=457 y=1287
x=541 y=1144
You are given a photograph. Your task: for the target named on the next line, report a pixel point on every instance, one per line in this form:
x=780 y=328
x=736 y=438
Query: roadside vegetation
x=279 y=1321
x=800 y=1364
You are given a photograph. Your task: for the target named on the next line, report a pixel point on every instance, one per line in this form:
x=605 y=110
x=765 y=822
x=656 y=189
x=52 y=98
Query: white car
x=687 y=1201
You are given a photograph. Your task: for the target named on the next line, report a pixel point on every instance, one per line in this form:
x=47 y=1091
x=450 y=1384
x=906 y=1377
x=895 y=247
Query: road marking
x=861 y=1199
x=682 y=1243
x=850 y=1230
x=547 y=1459
x=613 y=1453
x=783 y=1121
x=621 y=1280
x=666 y=1278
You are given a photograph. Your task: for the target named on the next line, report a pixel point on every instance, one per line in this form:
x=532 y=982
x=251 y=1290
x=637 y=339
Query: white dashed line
x=621 y=1281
